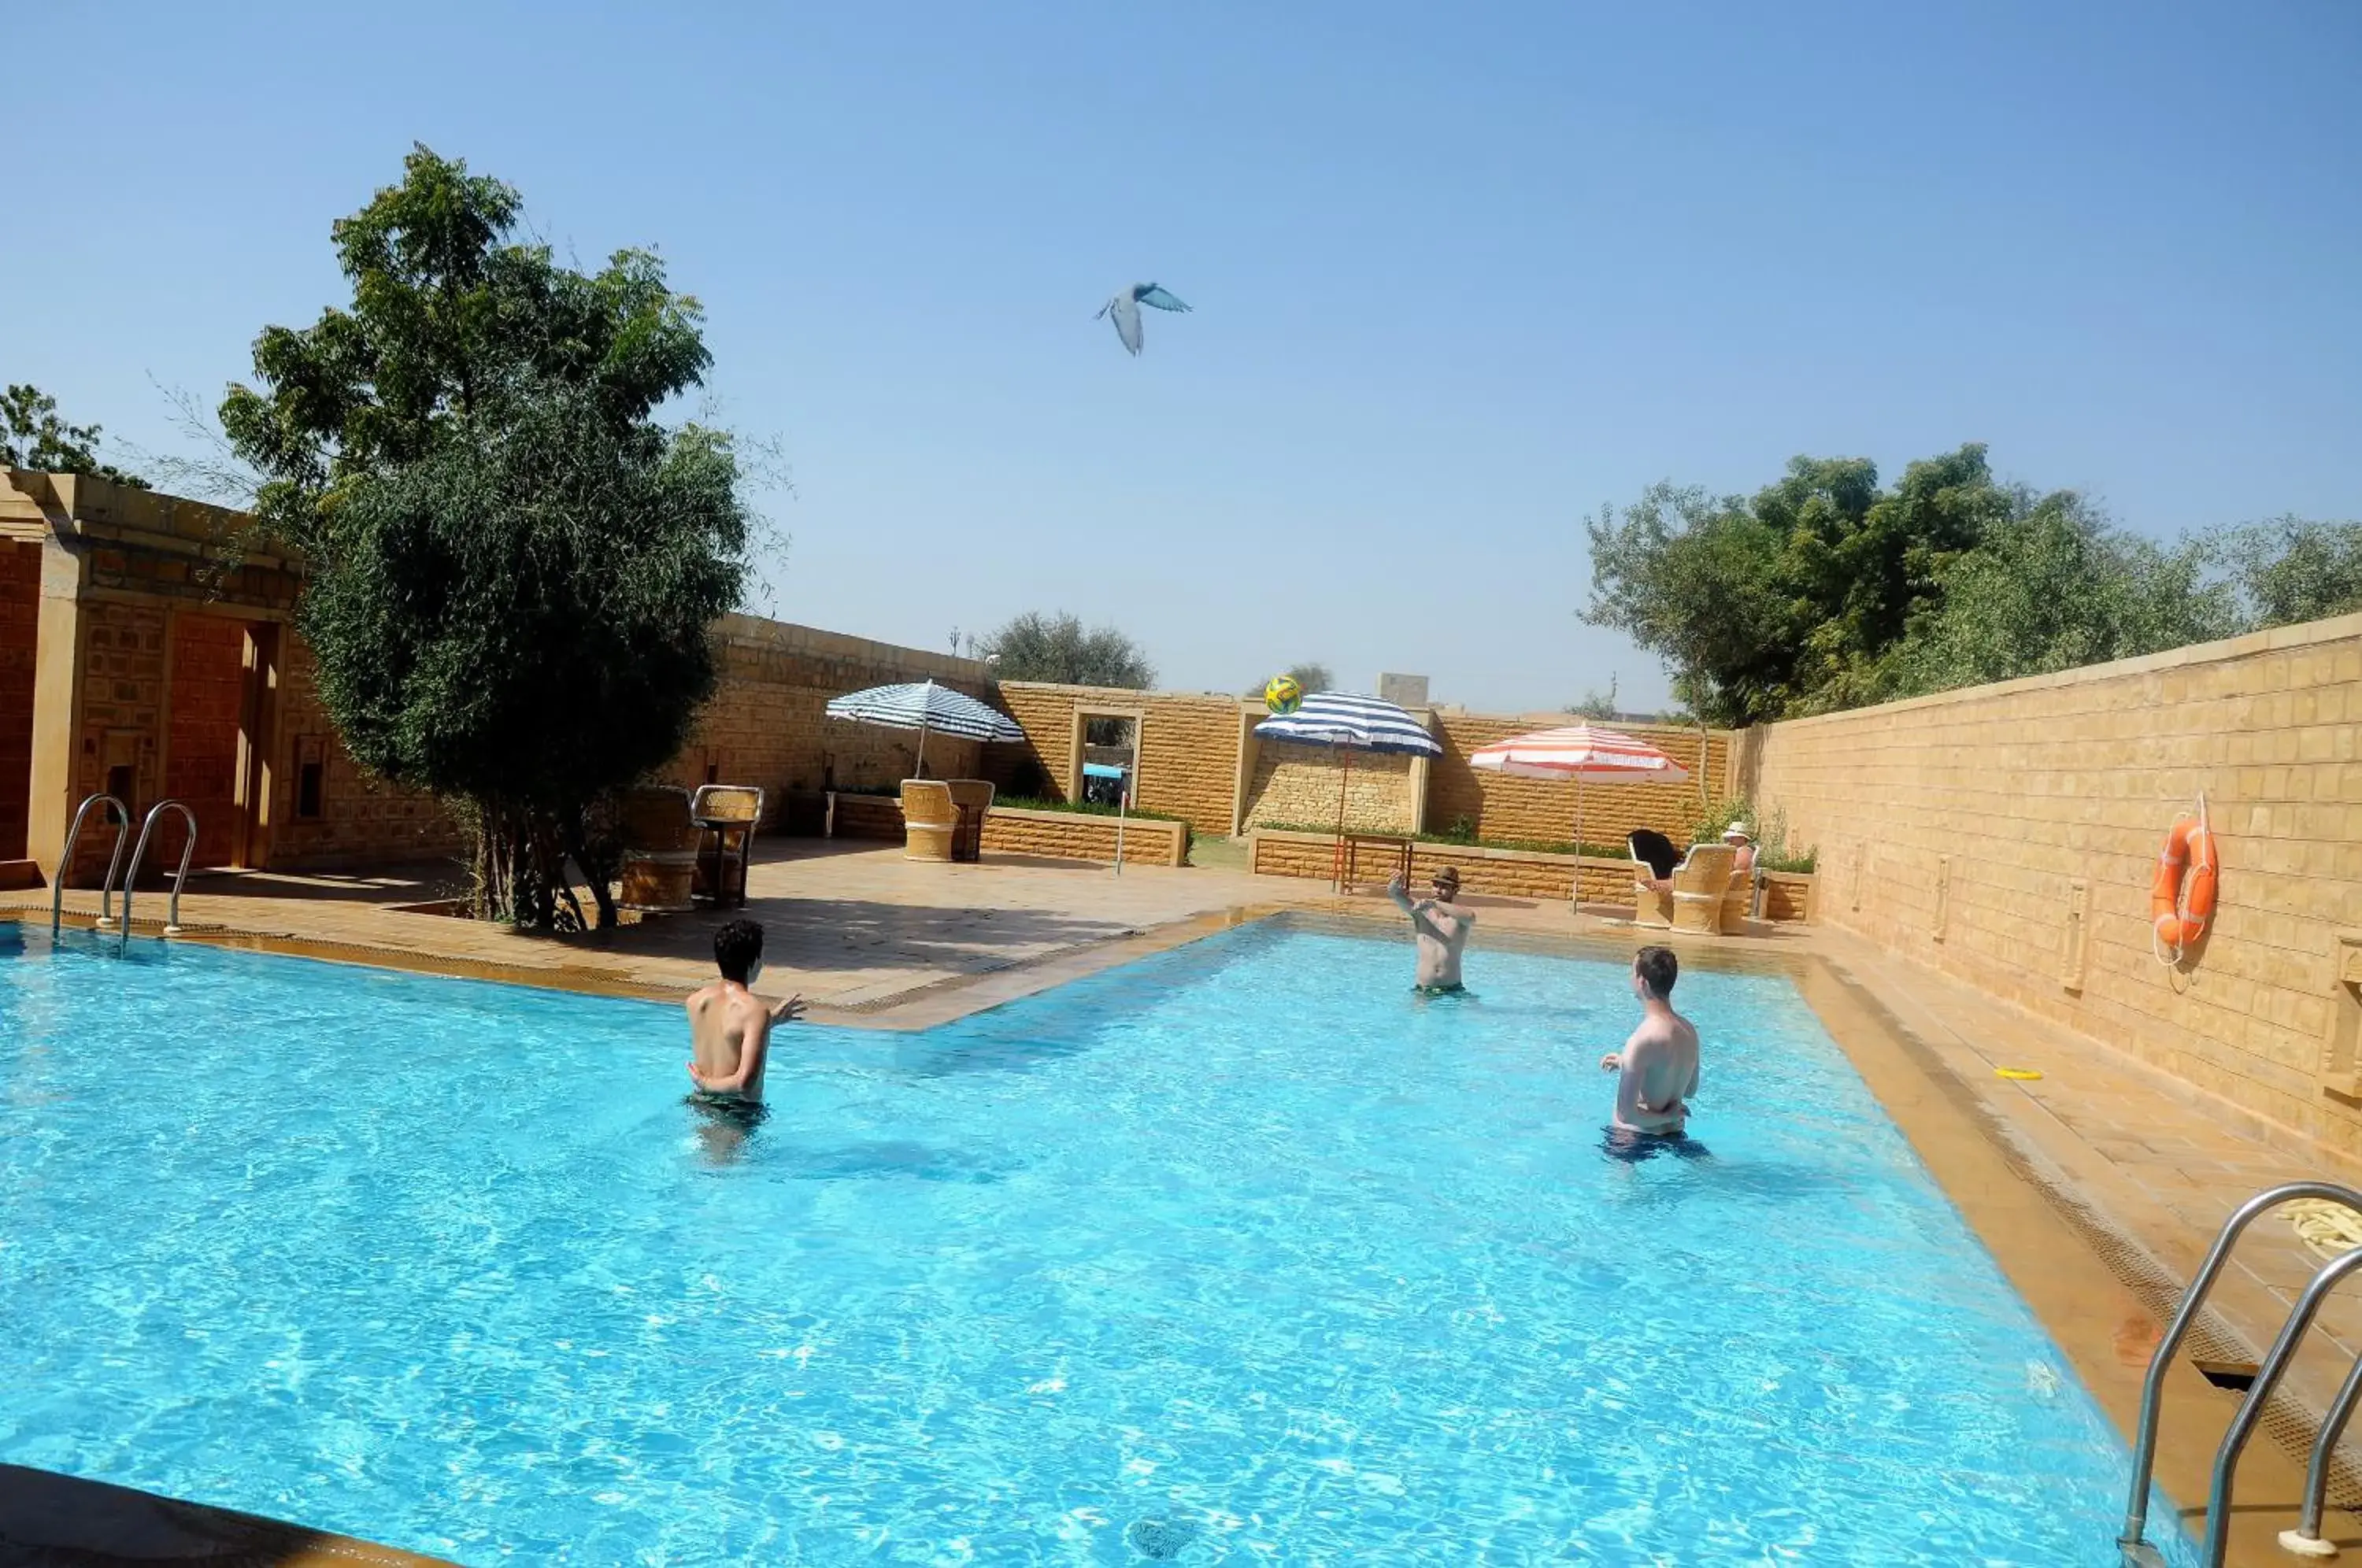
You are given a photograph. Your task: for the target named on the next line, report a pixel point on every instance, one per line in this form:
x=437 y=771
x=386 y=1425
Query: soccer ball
x=1281 y=695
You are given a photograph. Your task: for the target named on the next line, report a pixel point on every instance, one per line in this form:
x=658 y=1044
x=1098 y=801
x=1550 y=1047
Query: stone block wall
x=870 y=816
x=1188 y=746
x=362 y=819
x=1073 y=836
x=1298 y=786
x=2008 y=834
x=122 y=721
x=1492 y=873
x=767 y=724
x=1539 y=811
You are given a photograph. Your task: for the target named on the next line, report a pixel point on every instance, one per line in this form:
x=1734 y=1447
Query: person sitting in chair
x=1743 y=864
x=1654 y=850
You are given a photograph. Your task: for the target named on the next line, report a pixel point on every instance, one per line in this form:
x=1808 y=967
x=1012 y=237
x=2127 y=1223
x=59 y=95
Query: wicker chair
x=659 y=851
x=1654 y=859
x=1700 y=885
x=726 y=817
x=972 y=798
x=1739 y=903
x=930 y=820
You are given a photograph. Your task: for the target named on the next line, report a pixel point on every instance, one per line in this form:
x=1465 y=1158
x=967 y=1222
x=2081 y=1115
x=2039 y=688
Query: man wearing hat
x=1735 y=835
x=1442 y=925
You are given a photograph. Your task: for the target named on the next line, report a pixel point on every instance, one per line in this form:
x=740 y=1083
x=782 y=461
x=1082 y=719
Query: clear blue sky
x=1462 y=274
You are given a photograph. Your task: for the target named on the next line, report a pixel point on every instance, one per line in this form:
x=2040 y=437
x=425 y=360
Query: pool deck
x=2097 y=1186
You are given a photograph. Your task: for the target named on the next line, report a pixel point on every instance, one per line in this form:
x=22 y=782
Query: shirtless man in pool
x=1442 y=926
x=1660 y=1062
x=729 y=1026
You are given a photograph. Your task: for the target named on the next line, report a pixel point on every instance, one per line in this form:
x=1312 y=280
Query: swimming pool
x=1237 y=1255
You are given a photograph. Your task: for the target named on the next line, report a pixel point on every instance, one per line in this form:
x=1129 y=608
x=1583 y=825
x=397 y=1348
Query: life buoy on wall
x=2178 y=914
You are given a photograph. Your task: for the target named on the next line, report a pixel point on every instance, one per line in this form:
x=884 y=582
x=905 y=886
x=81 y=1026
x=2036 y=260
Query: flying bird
x=1125 y=309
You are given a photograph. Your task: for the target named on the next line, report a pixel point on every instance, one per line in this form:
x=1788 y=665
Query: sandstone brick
x=2079 y=778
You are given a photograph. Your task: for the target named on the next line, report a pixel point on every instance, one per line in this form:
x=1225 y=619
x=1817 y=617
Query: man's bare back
x=729 y=1039
x=1660 y=1063
x=1441 y=927
x=729 y=1025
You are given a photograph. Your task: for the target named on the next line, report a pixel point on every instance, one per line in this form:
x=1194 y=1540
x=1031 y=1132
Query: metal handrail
x=2251 y=1408
x=2153 y=1387
x=188 y=848
x=2316 y=1472
x=65 y=861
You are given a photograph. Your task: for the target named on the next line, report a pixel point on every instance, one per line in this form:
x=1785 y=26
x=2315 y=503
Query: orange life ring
x=2178 y=914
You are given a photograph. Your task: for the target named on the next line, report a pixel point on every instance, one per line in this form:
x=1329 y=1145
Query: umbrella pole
x=1337 y=864
x=1574 y=895
x=922 y=748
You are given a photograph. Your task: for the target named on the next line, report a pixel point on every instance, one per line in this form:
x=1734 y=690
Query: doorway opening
x=20 y=619
x=1109 y=771
x=223 y=675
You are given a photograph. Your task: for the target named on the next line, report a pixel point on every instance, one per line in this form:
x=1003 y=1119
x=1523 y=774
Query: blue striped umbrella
x=1351 y=724
x=922 y=705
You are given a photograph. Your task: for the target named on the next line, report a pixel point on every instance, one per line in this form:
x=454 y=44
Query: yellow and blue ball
x=1283 y=694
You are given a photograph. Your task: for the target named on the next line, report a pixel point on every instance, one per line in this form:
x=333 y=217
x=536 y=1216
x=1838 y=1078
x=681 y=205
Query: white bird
x=1125 y=308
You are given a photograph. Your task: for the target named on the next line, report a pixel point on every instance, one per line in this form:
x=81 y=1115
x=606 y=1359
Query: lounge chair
x=726 y=817
x=930 y=820
x=1691 y=899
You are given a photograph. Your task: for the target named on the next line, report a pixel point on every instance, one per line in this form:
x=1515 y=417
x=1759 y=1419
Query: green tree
x=1312 y=677
x=2053 y=588
x=32 y=436
x=1594 y=704
x=513 y=566
x=1693 y=578
x=1787 y=603
x=1035 y=646
x=2289 y=569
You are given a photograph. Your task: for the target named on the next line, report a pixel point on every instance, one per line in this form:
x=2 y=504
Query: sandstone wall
x=1074 y=836
x=1188 y=747
x=1536 y=810
x=767 y=724
x=1494 y=873
x=2008 y=834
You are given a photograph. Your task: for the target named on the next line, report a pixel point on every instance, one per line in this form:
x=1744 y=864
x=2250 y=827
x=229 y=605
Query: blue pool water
x=1240 y=1254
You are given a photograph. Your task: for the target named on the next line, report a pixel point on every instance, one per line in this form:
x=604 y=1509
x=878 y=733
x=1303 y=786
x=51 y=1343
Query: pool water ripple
x=1240 y=1254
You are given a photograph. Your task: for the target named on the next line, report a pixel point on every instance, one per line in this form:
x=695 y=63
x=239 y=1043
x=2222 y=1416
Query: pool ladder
x=122 y=817
x=2305 y=1540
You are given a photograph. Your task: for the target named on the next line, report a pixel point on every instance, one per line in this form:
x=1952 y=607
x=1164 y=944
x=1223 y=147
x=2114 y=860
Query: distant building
x=1403 y=690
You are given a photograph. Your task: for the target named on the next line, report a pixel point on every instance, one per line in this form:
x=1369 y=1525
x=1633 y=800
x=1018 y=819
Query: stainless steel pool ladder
x=188 y=848
x=2306 y=1539
x=114 y=864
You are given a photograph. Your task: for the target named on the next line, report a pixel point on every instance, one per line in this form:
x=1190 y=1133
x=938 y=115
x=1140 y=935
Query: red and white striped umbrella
x=1584 y=753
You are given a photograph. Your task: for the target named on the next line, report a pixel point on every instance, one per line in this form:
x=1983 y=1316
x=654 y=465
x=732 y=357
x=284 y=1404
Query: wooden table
x=1349 y=854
